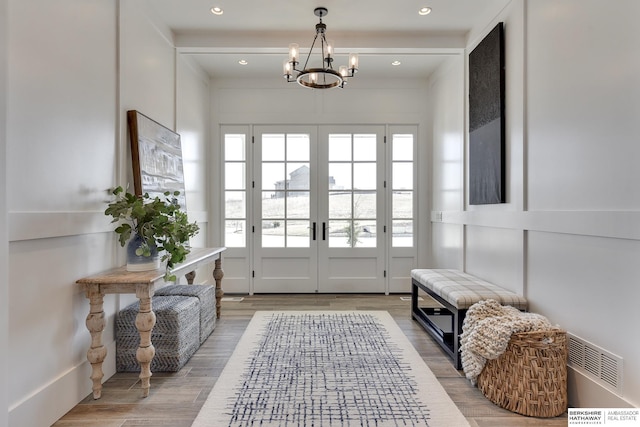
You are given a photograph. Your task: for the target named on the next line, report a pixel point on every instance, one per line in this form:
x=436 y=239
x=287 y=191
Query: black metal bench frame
x=427 y=317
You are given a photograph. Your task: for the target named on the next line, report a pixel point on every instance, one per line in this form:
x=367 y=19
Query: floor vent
x=595 y=362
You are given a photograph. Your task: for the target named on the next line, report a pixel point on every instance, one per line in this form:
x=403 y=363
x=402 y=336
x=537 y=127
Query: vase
x=140 y=262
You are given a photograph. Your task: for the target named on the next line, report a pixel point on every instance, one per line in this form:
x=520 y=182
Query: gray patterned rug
x=327 y=369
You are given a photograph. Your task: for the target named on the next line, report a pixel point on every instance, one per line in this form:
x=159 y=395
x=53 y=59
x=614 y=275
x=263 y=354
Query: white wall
x=583 y=151
x=4 y=249
x=61 y=107
x=446 y=98
x=193 y=125
x=66 y=146
x=568 y=237
x=172 y=90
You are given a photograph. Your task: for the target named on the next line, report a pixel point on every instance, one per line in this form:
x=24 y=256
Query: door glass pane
x=402 y=183
x=340 y=176
x=298 y=233
x=298 y=174
x=339 y=147
x=273 y=204
x=273 y=234
x=234 y=147
x=235 y=233
x=339 y=234
x=364 y=176
x=273 y=147
x=340 y=205
x=286 y=185
x=273 y=176
x=365 y=233
x=235 y=208
x=298 y=147
x=234 y=175
x=402 y=204
x=402 y=147
x=402 y=233
x=234 y=204
x=352 y=199
x=298 y=204
x=364 y=148
x=402 y=176
x=364 y=205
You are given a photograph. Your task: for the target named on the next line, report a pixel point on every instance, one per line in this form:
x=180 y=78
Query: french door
x=351 y=209
x=319 y=208
x=285 y=230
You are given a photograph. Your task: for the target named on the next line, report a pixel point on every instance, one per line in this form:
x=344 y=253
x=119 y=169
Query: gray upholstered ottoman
x=175 y=336
x=207 y=296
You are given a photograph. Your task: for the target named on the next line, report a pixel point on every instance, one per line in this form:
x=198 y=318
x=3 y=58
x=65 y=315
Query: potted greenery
x=151 y=226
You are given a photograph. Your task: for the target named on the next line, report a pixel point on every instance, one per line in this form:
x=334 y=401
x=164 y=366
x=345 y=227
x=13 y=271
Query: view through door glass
x=285 y=191
x=352 y=191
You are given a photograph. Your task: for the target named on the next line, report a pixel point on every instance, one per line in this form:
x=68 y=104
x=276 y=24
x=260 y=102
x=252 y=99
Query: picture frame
x=487 y=120
x=156 y=154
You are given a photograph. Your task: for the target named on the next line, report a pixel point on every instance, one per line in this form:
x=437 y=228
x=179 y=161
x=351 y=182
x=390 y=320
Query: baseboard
x=583 y=392
x=47 y=404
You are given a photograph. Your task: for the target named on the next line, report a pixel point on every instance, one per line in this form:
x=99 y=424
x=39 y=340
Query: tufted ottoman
x=175 y=336
x=207 y=296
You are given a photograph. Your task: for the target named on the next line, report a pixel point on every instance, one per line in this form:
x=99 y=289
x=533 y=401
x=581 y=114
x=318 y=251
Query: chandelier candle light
x=324 y=77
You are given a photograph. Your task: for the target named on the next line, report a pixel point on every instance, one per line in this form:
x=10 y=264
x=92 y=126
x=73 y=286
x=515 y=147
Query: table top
x=120 y=275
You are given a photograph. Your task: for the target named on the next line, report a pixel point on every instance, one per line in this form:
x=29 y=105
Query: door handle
x=313 y=231
x=324 y=231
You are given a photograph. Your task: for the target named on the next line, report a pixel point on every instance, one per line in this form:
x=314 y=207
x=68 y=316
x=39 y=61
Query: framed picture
x=156 y=154
x=487 y=120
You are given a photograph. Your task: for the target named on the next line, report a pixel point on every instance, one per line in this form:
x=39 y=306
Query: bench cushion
x=462 y=290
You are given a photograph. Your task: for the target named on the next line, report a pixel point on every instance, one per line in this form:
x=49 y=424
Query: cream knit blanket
x=487 y=329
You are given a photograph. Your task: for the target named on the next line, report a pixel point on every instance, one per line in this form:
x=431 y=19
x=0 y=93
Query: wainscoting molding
x=611 y=224
x=44 y=225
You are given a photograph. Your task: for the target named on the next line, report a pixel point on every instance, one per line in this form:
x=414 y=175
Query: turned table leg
x=190 y=277
x=95 y=324
x=218 y=274
x=145 y=321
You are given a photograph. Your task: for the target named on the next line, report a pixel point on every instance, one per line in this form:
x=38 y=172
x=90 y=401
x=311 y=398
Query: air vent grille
x=595 y=362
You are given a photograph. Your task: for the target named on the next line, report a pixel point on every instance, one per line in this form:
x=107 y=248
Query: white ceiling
x=260 y=31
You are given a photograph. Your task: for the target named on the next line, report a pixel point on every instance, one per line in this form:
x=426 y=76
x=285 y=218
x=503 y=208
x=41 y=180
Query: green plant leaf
x=159 y=222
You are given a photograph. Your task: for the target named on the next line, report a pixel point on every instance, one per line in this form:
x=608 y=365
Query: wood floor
x=176 y=398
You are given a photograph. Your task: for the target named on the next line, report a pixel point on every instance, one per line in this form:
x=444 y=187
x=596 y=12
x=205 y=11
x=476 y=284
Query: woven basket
x=530 y=377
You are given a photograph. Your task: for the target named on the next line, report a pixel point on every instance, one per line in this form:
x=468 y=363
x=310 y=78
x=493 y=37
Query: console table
x=143 y=285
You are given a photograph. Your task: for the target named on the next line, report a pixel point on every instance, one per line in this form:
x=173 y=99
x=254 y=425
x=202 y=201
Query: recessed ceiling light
x=217 y=10
x=396 y=63
x=242 y=62
x=424 y=11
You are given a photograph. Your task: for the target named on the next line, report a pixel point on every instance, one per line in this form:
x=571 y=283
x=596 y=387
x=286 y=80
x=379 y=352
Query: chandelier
x=323 y=77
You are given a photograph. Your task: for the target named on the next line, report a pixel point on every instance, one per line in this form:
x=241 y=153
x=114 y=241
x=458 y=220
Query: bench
x=455 y=291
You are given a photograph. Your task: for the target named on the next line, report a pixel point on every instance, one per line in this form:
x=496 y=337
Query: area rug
x=327 y=369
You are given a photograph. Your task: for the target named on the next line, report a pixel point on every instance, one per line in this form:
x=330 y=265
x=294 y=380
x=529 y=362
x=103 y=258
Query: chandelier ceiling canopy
x=323 y=75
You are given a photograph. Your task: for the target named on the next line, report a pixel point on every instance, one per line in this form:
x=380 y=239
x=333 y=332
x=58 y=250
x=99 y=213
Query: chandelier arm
x=327 y=60
x=310 y=51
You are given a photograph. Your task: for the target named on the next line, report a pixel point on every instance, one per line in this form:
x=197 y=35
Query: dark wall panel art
x=487 y=120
